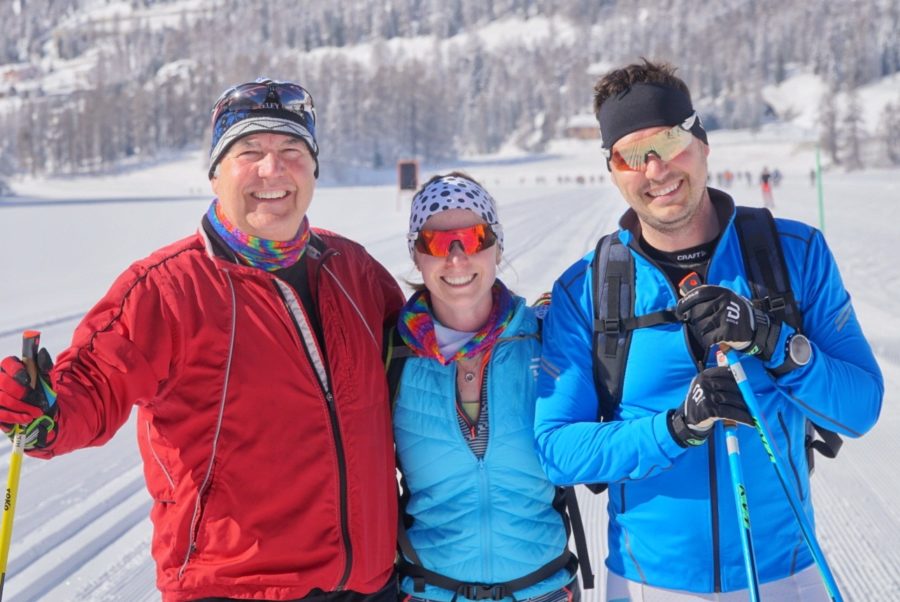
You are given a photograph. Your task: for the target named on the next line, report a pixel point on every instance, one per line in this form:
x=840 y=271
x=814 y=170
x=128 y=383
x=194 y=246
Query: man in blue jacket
x=673 y=530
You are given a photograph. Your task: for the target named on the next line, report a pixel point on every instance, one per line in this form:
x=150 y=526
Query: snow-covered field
x=81 y=529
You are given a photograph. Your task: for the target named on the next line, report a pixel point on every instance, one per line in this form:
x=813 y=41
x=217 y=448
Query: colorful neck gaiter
x=269 y=255
x=416 y=325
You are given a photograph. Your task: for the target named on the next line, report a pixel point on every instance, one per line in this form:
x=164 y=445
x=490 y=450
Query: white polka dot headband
x=452 y=192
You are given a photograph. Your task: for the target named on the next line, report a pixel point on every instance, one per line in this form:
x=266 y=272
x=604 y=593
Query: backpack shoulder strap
x=612 y=298
x=772 y=292
x=395 y=354
x=577 y=529
x=766 y=268
x=613 y=283
x=614 y=320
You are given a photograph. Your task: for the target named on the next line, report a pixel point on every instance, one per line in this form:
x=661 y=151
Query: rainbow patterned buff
x=416 y=325
x=269 y=255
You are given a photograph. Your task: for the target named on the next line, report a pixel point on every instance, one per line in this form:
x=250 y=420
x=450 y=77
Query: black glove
x=715 y=314
x=34 y=408
x=713 y=395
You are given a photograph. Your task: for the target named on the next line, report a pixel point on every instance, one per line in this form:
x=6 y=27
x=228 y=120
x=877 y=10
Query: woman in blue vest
x=479 y=518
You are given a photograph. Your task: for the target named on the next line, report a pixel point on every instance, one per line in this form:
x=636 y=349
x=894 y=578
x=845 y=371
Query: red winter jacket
x=269 y=460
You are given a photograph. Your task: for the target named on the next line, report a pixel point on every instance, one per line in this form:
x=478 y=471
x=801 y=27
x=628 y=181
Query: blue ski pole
x=740 y=495
x=734 y=363
x=688 y=283
x=743 y=509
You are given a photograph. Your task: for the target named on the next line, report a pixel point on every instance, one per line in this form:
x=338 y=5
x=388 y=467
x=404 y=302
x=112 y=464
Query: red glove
x=20 y=403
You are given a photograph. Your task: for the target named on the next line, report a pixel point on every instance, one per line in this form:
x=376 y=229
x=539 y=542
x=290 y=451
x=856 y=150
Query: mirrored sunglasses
x=267 y=94
x=437 y=243
x=666 y=145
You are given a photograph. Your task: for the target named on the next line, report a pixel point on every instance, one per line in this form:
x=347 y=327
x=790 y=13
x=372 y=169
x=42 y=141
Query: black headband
x=645 y=105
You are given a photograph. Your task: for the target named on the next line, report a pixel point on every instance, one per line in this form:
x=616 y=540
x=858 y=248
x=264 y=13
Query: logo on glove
x=697 y=394
x=733 y=312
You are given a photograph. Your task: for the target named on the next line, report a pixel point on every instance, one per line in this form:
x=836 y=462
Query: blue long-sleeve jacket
x=671 y=510
x=489 y=519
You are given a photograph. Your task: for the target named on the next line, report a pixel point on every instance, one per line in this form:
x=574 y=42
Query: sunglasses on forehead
x=472 y=239
x=267 y=95
x=666 y=145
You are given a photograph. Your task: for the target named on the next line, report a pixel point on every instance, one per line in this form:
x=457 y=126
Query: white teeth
x=459 y=280
x=274 y=194
x=665 y=191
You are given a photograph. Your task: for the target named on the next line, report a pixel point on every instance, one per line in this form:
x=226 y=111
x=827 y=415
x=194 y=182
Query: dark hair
x=619 y=80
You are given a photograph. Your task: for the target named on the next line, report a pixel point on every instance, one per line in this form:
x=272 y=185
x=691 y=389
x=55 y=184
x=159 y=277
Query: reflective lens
x=472 y=240
x=666 y=145
x=262 y=95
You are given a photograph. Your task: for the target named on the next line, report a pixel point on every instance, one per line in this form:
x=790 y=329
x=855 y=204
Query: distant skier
x=620 y=343
x=252 y=351
x=765 y=182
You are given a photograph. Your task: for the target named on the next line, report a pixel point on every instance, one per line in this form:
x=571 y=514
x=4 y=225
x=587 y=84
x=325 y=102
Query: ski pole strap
x=485 y=591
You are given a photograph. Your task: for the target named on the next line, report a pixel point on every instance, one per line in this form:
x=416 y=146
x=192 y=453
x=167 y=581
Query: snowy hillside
x=87 y=86
x=81 y=531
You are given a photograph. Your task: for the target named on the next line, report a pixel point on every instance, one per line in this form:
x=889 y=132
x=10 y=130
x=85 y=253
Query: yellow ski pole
x=30 y=343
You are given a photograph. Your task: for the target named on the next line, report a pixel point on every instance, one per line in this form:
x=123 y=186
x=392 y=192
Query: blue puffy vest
x=485 y=520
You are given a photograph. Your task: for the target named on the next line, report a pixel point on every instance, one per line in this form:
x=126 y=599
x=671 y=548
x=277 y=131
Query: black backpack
x=565 y=502
x=614 y=319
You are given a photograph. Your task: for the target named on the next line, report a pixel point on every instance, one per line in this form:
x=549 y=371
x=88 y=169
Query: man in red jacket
x=252 y=351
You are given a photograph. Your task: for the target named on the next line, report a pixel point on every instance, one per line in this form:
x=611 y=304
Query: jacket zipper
x=485 y=519
x=199 y=504
x=713 y=480
x=472 y=425
x=713 y=488
x=711 y=446
x=714 y=513
x=309 y=344
x=342 y=480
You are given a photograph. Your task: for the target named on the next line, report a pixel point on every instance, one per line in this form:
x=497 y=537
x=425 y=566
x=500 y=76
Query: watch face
x=800 y=350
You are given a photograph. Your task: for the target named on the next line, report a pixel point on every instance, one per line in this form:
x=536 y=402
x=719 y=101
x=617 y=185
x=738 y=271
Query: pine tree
x=851 y=132
x=828 y=135
x=890 y=131
x=470 y=94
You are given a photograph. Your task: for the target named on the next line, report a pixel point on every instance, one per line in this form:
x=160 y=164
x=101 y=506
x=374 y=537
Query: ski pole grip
x=721 y=360
x=31 y=342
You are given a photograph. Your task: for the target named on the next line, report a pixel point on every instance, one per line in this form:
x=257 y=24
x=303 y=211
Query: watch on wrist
x=797 y=353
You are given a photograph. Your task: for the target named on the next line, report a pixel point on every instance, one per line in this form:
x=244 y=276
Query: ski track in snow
x=81 y=529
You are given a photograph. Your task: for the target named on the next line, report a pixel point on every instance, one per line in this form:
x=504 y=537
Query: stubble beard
x=674 y=224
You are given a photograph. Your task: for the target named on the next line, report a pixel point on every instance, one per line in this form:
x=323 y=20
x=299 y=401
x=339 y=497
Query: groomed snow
x=81 y=530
